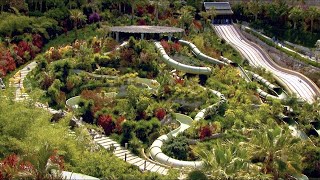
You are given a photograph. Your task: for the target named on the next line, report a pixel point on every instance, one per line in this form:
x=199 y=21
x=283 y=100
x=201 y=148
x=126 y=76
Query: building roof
x=222 y=8
x=146 y=29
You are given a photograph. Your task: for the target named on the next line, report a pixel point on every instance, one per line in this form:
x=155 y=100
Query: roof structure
x=146 y=29
x=222 y=8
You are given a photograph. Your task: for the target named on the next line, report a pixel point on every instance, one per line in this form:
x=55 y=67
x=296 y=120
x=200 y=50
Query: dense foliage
x=297 y=24
x=82 y=61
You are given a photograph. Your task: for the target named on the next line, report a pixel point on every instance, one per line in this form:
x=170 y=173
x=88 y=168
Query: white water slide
x=299 y=84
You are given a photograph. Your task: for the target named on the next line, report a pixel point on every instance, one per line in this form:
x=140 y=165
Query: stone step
x=105 y=140
x=135 y=160
x=161 y=169
x=120 y=154
x=109 y=143
x=147 y=165
x=155 y=168
x=121 y=151
x=150 y=166
x=140 y=163
x=128 y=158
x=165 y=171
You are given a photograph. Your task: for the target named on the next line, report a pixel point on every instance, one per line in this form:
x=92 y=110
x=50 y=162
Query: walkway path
x=127 y=156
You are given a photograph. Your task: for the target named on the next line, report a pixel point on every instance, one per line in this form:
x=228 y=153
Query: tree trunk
x=40 y=4
x=294 y=25
x=157 y=15
x=311 y=26
x=132 y=12
x=76 y=30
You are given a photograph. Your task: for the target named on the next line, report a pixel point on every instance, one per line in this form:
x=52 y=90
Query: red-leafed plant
x=24 y=50
x=140 y=10
x=106 y=122
x=176 y=46
x=37 y=40
x=197 y=25
x=160 y=113
x=56 y=159
x=7 y=62
x=98 y=100
x=142 y=22
x=166 y=46
x=12 y=167
x=119 y=122
x=205 y=132
x=150 y=9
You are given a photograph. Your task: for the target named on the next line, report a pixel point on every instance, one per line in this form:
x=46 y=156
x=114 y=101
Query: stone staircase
x=126 y=155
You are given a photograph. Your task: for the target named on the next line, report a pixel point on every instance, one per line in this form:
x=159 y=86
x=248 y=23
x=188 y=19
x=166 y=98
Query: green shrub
x=176 y=147
x=197 y=175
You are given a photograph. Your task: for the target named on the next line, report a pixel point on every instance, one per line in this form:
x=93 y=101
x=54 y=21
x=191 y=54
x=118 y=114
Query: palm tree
x=277 y=150
x=159 y=7
x=186 y=17
x=254 y=8
x=77 y=16
x=133 y=4
x=228 y=161
x=312 y=14
x=295 y=15
x=208 y=15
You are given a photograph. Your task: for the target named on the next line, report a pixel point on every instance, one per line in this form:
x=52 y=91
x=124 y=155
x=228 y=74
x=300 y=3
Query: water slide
x=179 y=66
x=279 y=93
x=199 y=54
x=297 y=83
x=185 y=122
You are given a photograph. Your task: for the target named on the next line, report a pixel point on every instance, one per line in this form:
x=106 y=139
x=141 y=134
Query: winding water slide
x=199 y=54
x=278 y=93
x=180 y=66
x=297 y=83
x=185 y=122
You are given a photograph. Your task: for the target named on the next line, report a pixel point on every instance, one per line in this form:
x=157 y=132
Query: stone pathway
x=18 y=79
x=105 y=142
x=127 y=156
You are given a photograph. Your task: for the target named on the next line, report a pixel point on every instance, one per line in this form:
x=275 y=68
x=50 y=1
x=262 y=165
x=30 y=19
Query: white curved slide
x=179 y=66
x=199 y=54
x=185 y=122
x=297 y=83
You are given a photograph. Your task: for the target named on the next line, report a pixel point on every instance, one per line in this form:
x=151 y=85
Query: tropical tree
x=133 y=4
x=159 y=7
x=253 y=7
x=227 y=161
x=295 y=14
x=208 y=15
x=186 y=17
x=312 y=14
x=277 y=150
x=77 y=16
